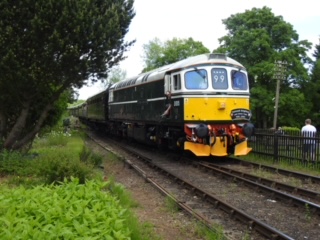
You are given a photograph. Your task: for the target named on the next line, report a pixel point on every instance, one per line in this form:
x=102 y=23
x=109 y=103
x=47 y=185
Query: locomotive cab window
x=239 y=80
x=196 y=79
x=176 y=82
x=219 y=78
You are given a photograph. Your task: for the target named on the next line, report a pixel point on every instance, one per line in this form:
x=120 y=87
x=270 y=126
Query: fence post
x=275 y=148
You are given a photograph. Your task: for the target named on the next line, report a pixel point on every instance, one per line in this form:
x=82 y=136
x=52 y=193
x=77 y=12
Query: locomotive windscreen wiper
x=199 y=72
x=234 y=73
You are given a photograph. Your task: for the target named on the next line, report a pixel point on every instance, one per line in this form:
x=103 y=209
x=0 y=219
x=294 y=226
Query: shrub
x=291 y=130
x=52 y=139
x=56 y=139
x=60 y=165
x=14 y=163
x=67 y=211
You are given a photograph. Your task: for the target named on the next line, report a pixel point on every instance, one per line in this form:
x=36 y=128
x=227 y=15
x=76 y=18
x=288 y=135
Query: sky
x=202 y=21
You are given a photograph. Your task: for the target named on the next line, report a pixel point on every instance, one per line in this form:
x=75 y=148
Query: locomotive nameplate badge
x=240 y=114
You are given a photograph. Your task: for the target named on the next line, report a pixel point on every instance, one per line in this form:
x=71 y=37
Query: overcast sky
x=202 y=20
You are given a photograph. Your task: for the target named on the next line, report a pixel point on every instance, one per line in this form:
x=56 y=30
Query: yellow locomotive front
x=216 y=107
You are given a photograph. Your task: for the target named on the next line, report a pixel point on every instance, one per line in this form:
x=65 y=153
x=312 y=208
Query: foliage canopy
x=258 y=39
x=49 y=47
x=157 y=54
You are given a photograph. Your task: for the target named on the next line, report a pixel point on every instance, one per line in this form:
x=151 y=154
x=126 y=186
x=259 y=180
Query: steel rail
x=277 y=194
x=271 y=183
x=233 y=212
x=251 y=222
x=183 y=206
x=149 y=179
x=285 y=172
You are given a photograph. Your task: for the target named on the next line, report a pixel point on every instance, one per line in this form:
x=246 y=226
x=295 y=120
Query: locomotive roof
x=156 y=74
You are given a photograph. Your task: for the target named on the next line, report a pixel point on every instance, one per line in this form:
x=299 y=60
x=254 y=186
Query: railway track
x=209 y=201
x=302 y=176
x=203 y=203
x=269 y=186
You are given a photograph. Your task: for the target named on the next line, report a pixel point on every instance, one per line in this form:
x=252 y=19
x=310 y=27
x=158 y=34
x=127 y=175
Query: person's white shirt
x=309 y=131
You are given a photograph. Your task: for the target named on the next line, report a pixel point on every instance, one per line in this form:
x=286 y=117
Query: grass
x=216 y=234
x=122 y=194
x=171 y=205
x=308 y=213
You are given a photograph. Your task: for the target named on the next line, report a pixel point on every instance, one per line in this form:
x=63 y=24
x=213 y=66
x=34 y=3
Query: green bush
x=54 y=139
x=291 y=130
x=14 y=163
x=57 y=139
x=60 y=158
x=67 y=211
x=57 y=157
x=60 y=164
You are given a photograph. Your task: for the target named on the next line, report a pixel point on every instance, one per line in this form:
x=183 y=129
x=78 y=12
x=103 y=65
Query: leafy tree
x=290 y=100
x=257 y=38
x=316 y=53
x=152 y=52
x=48 y=47
x=115 y=75
x=313 y=89
x=263 y=105
x=157 y=53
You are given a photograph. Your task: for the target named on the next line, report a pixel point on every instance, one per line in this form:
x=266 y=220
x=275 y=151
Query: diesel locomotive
x=199 y=104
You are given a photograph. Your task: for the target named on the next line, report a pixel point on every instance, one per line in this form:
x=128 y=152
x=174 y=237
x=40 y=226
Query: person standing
x=309 y=143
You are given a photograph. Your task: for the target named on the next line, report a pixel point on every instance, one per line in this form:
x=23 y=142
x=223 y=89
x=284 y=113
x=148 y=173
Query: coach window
x=239 y=80
x=219 y=78
x=176 y=82
x=196 y=79
x=111 y=96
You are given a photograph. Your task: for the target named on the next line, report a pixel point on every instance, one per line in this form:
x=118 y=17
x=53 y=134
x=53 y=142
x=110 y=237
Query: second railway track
x=214 y=200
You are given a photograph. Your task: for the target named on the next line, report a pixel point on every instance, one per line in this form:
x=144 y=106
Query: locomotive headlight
x=201 y=130
x=248 y=129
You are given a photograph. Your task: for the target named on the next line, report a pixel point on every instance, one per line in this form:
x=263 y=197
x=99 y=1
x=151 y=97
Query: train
x=199 y=104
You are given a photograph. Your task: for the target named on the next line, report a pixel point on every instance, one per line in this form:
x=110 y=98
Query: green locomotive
x=199 y=104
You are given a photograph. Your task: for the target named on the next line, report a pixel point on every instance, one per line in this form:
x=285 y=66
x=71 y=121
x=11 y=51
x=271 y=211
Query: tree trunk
x=15 y=132
x=30 y=136
x=15 y=140
x=3 y=123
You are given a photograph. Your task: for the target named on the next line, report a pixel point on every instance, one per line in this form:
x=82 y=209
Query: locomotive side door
x=167 y=83
x=174 y=106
